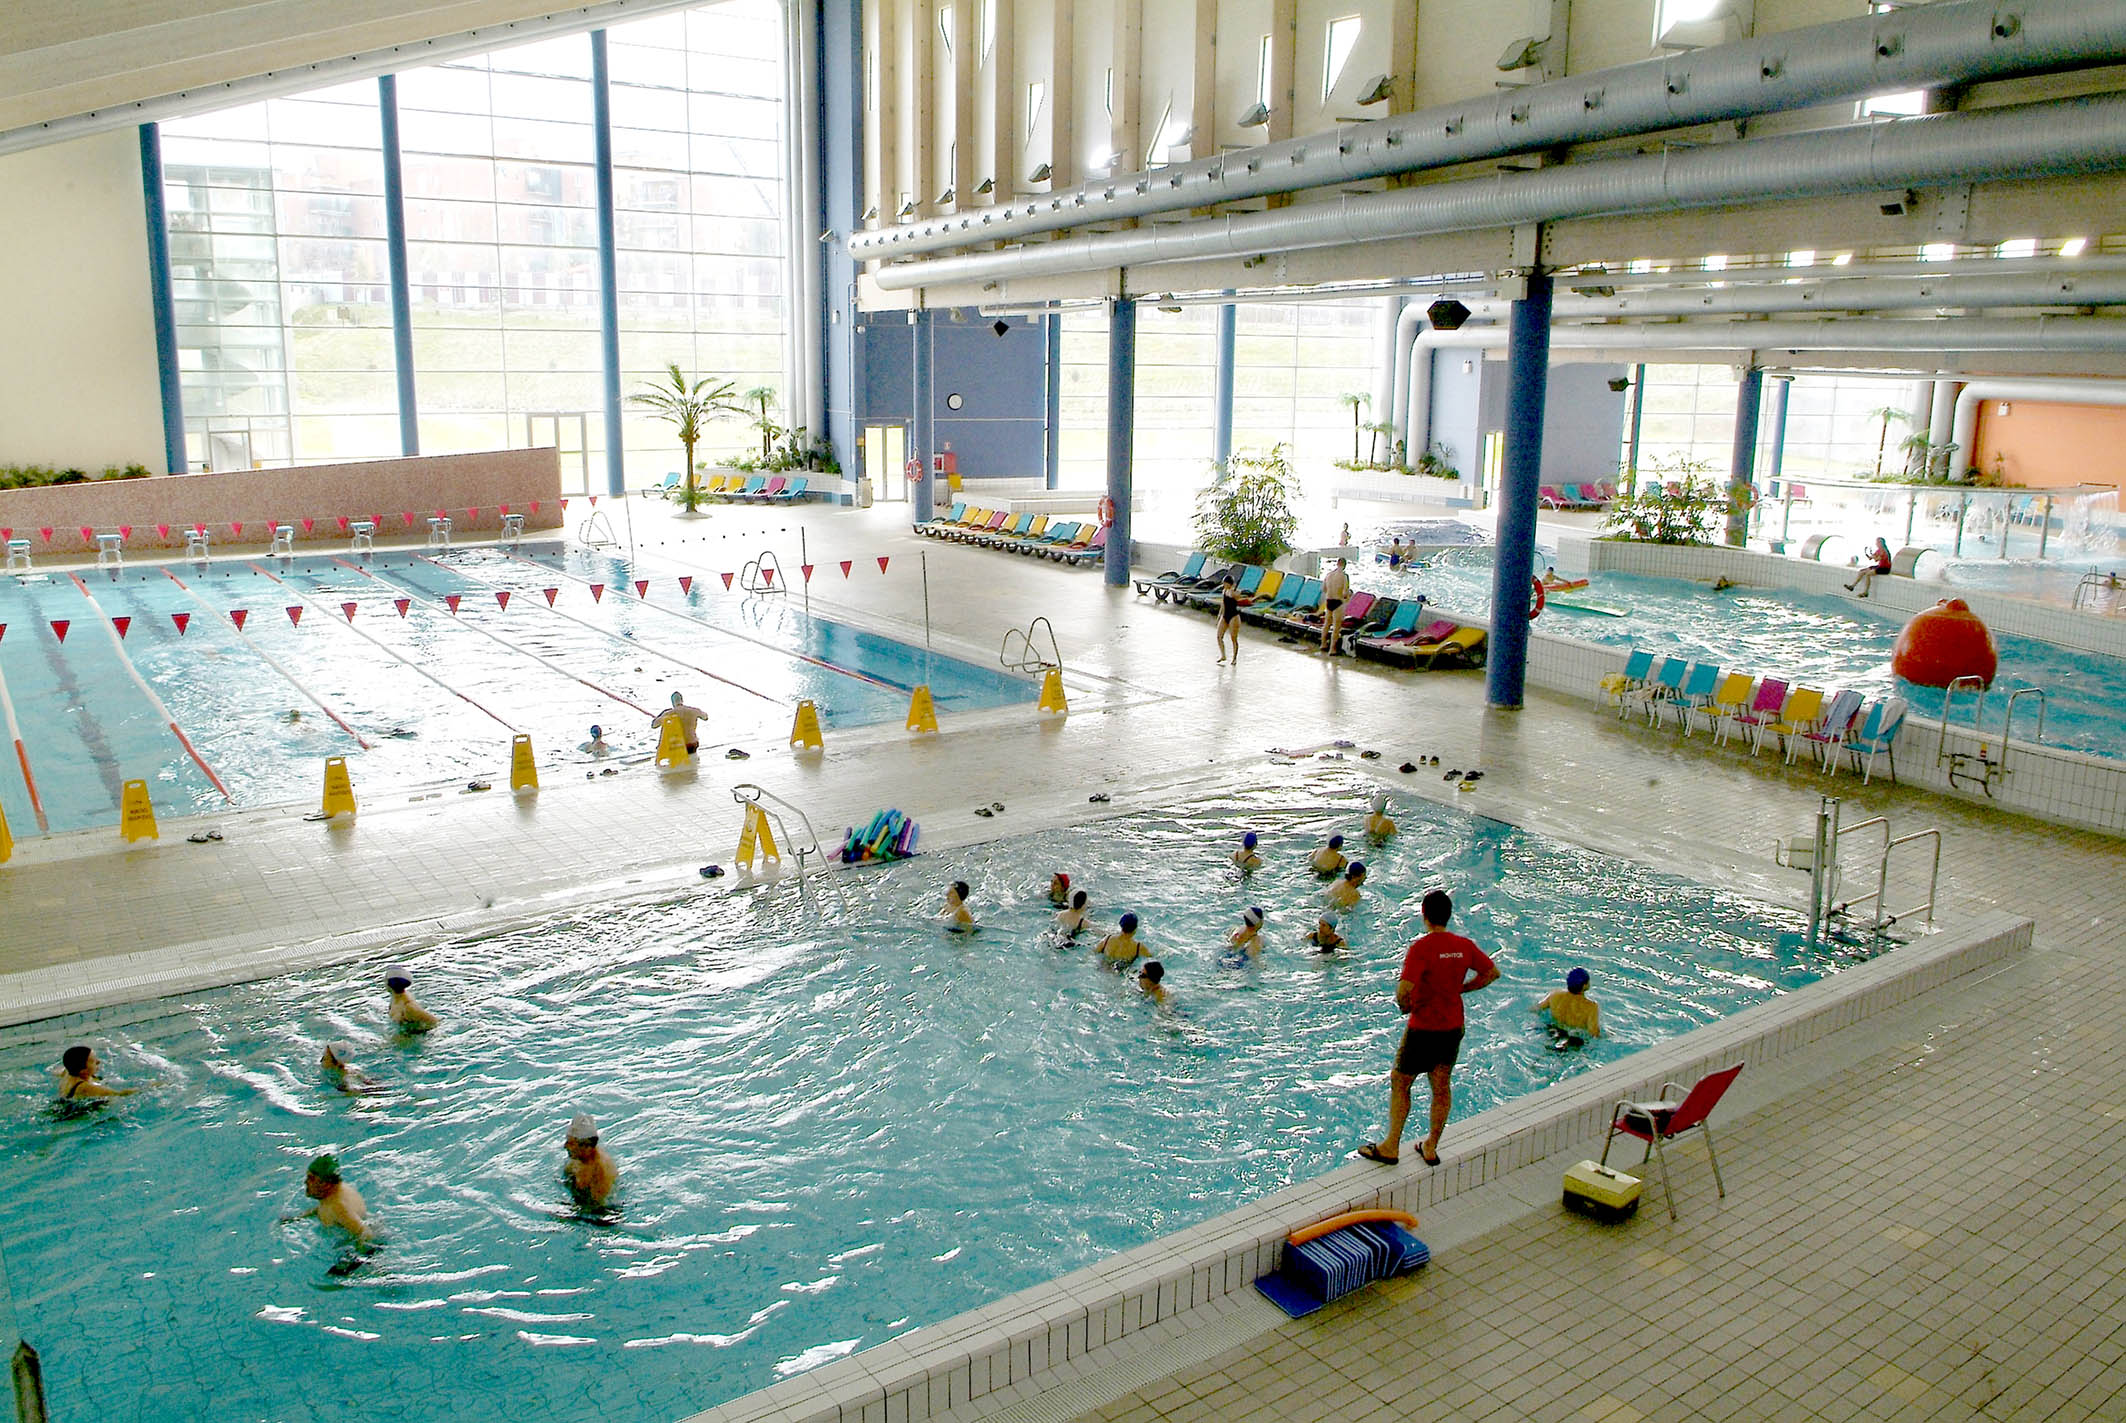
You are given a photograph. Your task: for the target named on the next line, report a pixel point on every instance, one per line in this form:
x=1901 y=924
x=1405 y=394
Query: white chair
x=18 y=556
x=197 y=541
x=283 y=545
x=110 y=550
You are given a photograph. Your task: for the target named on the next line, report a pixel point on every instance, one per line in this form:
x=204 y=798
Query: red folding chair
x=1665 y=1119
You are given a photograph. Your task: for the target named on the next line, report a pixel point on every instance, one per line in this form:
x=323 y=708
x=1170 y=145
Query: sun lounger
x=944 y=521
x=1762 y=711
x=1697 y=690
x=1401 y=629
x=1877 y=737
x=1093 y=552
x=1828 y=735
x=1183 y=574
x=1283 y=613
x=1457 y=645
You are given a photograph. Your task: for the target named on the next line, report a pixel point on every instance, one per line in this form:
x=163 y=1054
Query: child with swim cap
x=406 y=1015
x=590 y=1171
x=339 y=1206
x=1245 y=857
x=1573 y=1016
x=1246 y=941
x=1059 y=888
x=1323 y=936
x=1378 y=826
x=1329 y=859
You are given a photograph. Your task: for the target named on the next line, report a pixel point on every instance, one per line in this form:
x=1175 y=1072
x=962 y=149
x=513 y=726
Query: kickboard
x=1594 y=608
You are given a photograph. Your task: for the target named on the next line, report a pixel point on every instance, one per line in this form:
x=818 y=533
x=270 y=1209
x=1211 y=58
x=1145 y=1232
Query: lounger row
x=748 y=489
x=1063 y=540
x=1762 y=710
x=1380 y=629
x=1576 y=496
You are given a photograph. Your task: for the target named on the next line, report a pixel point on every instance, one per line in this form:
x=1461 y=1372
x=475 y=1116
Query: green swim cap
x=326 y=1167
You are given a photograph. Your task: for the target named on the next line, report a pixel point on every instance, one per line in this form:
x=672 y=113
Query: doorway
x=885 y=455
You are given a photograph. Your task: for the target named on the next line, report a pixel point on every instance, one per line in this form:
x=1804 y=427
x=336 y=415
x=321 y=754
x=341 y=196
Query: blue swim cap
x=1354 y=869
x=1129 y=923
x=595 y=732
x=1336 y=842
x=1576 y=981
x=1248 y=840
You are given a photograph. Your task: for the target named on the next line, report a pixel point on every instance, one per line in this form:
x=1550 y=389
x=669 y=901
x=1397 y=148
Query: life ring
x=914 y=470
x=1537 y=611
x=1107 y=510
x=1337 y=1222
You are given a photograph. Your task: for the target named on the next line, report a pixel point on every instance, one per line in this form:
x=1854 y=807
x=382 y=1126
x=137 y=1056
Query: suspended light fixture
x=1255 y=117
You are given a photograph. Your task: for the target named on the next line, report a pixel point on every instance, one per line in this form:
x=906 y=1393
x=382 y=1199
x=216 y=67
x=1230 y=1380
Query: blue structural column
x=1121 y=432
x=608 y=268
x=1742 y=481
x=1638 y=414
x=839 y=140
x=923 y=393
x=387 y=105
x=1527 y=386
x=161 y=295
x=1052 y=428
x=1222 y=400
x=1775 y=458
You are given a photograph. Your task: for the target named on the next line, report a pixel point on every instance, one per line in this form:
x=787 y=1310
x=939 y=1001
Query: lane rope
x=118 y=646
x=275 y=663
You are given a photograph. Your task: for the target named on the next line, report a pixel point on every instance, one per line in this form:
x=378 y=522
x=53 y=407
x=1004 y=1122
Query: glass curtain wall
x=277 y=238
x=1834 y=424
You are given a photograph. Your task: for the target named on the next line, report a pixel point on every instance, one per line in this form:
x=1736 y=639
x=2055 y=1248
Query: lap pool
x=835 y=1123
x=418 y=670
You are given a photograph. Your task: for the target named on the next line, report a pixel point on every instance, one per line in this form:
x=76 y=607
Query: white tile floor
x=1933 y=1232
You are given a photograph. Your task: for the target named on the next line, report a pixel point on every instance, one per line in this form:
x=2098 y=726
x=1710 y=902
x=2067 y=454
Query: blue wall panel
x=999 y=429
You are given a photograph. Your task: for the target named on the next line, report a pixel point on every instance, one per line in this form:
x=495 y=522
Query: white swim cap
x=396 y=973
x=339 y=1050
x=582 y=1128
x=1328 y=917
x=1380 y=805
x=1253 y=917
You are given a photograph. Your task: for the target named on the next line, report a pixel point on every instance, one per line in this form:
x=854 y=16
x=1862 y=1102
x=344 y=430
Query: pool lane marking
x=275 y=664
x=505 y=642
x=118 y=646
x=610 y=636
x=393 y=653
x=14 y=731
x=721 y=630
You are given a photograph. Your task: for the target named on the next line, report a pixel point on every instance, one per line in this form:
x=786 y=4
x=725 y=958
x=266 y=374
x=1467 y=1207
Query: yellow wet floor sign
x=922 y=714
x=804 y=730
x=756 y=839
x=7 y=841
x=672 y=743
x=339 y=791
x=1052 y=698
x=523 y=774
x=136 y=813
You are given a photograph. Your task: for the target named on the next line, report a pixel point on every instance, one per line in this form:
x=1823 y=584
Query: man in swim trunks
x=1121 y=948
x=1574 y=1017
x=1229 y=618
x=406 y=1015
x=689 y=721
x=590 y=1171
x=1335 y=592
x=78 y=1068
x=339 y=1206
x=1439 y=968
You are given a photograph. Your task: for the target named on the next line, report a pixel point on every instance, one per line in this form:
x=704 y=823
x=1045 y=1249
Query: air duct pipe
x=1860 y=293
x=2079 y=335
x=2060 y=137
x=1912 y=47
x=1389 y=357
x=1406 y=326
x=2062 y=392
x=2048 y=266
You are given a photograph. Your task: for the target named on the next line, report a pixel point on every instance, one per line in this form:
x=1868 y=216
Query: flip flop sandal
x=1369 y=755
x=197 y=837
x=984 y=811
x=1473 y=776
x=471 y=786
x=712 y=871
x=1407 y=767
x=1098 y=798
x=734 y=754
x=1374 y=1154
x=996 y=805
x=1452 y=776
x=1466 y=786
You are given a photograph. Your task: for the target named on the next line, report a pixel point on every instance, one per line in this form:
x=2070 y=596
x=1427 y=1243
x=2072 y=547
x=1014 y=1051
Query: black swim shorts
x=1335 y=603
x=1426 y=1048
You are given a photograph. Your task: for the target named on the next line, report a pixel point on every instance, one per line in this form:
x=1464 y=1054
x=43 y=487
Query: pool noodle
x=904 y=843
x=887 y=832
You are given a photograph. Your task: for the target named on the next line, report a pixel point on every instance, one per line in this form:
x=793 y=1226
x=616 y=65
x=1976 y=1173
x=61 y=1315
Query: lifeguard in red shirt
x=1439 y=968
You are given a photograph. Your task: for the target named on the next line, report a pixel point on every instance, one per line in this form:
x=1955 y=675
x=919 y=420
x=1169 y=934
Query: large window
x=277 y=240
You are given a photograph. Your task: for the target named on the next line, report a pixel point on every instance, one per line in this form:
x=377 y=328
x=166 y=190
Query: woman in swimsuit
x=77 y=1077
x=1228 y=619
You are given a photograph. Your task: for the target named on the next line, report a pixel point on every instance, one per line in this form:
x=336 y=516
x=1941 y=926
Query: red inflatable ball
x=1942 y=643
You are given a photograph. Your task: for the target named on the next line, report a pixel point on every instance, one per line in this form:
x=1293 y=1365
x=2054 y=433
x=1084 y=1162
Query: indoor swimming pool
x=835 y=1122
x=418 y=670
x=1812 y=639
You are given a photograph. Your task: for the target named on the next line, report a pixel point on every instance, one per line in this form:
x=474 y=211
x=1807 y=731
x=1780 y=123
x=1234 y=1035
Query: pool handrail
x=746 y=793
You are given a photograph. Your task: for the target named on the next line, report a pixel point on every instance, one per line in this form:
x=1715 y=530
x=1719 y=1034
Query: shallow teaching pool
x=416 y=669
x=1824 y=642
x=835 y=1123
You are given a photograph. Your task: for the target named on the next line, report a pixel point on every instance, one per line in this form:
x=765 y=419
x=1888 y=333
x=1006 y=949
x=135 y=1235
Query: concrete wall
x=1001 y=381
x=77 y=370
x=2045 y=446
x=470 y=489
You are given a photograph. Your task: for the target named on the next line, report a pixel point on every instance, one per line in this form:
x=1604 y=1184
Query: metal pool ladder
x=772 y=806
x=764 y=574
x=1021 y=649
x=2098 y=592
x=1822 y=862
x=1981 y=767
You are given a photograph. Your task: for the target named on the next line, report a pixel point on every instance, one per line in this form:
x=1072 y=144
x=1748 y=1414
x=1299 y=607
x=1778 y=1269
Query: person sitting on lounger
x=1329 y=859
x=1572 y=1016
x=1245 y=857
x=1343 y=895
x=1121 y=948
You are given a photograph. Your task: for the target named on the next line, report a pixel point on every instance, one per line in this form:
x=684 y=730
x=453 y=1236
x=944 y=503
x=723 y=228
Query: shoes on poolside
x=608 y=771
x=1435 y=761
x=1098 y=798
x=1472 y=776
x=734 y=754
x=1452 y=776
x=471 y=786
x=1369 y=755
x=997 y=806
x=1407 y=767
x=202 y=837
x=984 y=811
x=1374 y=1154
x=712 y=871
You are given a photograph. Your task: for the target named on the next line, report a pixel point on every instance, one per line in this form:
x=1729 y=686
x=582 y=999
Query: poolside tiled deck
x=1923 y=1217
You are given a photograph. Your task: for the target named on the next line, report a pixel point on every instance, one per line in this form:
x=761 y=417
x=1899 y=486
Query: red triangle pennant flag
x=3 y=629
x=535 y=506
x=348 y=609
x=726 y=582
x=686 y=583
x=88 y=535
x=295 y=616
x=806 y=569
x=564 y=505
x=502 y=598
x=551 y=594
x=121 y=624
x=6 y=533
x=442 y=513
x=125 y=531
x=237 y=616
x=597 y=592
x=847 y=564
x=594 y=501
x=59 y=627
x=183 y=620
x=407 y=515
x=473 y=515
x=402 y=604
x=47 y=534
x=162 y=530
x=236 y=528
x=642 y=587
x=767 y=576
x=309 y=524
x=882 y=563
x=452 y=600
x=505 y=511
x=343 y=523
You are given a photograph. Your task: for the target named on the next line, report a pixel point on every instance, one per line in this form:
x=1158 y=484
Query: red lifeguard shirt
x=1439 y=963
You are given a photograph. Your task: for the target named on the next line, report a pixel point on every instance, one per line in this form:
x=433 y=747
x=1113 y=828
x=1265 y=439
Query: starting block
x=136 y=812
x=110 y=550
x=18 y=556
x=283 y=545
x=196 y=542
x=439 y=531
x=523 y=773
x=512 y=530
x=1052 y=698
x=804 y=730
x=922 y=712
x=672 y=743
x=364 y=531
x=756 y=839
x=339 y=791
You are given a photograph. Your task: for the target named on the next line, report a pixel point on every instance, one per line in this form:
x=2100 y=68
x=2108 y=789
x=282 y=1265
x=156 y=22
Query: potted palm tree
x=687 y=405
x=757 y=400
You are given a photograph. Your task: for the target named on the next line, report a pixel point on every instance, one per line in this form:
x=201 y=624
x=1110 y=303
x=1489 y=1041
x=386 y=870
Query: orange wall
x=2045 y=446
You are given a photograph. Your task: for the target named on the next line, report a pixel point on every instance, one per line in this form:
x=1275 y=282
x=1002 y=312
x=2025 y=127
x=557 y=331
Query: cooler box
x=1601 y=1192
